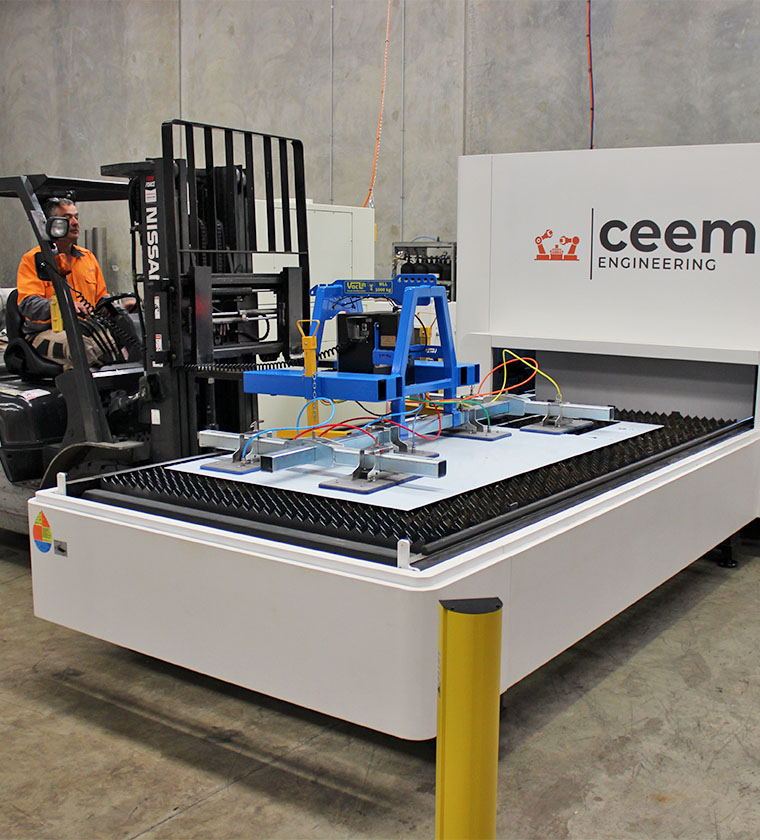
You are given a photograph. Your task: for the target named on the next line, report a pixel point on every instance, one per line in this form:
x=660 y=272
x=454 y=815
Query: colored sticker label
x=368 y=287
x=41 y=533
x=25 y=395
x=150 y=190
x=34 y=393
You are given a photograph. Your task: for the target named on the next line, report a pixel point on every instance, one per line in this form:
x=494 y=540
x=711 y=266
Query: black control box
x=360 y=334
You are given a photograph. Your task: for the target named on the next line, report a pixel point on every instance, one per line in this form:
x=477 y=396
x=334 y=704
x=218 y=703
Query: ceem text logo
x=676 y=246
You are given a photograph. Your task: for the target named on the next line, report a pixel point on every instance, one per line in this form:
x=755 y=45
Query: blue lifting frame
x=414 y=368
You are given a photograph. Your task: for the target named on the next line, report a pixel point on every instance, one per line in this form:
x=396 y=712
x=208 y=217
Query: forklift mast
x=220 y=222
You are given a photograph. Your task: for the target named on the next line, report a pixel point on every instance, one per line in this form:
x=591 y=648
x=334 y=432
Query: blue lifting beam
x=414 y=368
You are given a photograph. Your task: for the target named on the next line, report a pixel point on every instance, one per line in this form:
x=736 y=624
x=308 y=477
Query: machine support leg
x=729 y=550
x=469 y=651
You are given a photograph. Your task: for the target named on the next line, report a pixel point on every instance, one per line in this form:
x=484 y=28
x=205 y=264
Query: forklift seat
x=21 y=359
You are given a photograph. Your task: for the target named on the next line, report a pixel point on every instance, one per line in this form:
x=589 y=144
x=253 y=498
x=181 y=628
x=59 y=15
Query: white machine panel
x=357 y=639
x=640 y=246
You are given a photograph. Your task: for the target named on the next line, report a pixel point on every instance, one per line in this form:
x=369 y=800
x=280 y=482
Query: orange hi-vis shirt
x=81 y=272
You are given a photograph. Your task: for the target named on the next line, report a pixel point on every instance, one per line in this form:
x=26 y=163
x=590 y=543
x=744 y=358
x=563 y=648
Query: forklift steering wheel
x=107 y=302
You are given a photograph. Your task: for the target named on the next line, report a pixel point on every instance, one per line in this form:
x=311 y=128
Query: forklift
x=220 y=267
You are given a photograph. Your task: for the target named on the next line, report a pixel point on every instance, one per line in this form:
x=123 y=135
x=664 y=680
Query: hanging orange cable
x=382 y=102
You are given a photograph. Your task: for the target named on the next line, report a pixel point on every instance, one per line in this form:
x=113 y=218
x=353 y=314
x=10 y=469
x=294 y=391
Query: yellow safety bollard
x=309 y=345
x=467 y=751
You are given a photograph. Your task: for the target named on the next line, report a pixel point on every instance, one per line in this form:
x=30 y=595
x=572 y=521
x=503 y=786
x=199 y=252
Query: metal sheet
x=470 y=464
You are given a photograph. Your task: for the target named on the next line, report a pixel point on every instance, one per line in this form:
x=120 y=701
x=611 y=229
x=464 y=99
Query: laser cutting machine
x=308 y=563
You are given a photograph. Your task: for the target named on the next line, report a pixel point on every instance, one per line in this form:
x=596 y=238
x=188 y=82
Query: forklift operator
x=80 y=269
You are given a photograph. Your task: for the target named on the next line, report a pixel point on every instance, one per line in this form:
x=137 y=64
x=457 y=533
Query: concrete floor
x=646 y=729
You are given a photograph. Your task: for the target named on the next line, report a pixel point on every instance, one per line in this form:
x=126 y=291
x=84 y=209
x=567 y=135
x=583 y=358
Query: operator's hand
x=80 y=308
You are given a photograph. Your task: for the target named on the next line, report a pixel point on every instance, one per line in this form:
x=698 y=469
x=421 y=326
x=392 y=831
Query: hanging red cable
x=590 y=74
x=382 y=102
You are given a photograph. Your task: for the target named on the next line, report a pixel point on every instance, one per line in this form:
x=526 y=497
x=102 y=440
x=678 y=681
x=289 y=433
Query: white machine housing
x=357 y=639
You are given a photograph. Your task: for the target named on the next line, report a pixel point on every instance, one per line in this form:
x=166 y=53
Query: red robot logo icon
x=558 y=252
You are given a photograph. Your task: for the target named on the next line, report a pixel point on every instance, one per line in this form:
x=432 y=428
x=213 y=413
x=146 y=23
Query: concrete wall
x=87 y=82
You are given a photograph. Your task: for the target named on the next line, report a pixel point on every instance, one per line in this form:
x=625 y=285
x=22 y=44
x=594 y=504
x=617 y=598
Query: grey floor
x=646 y=729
